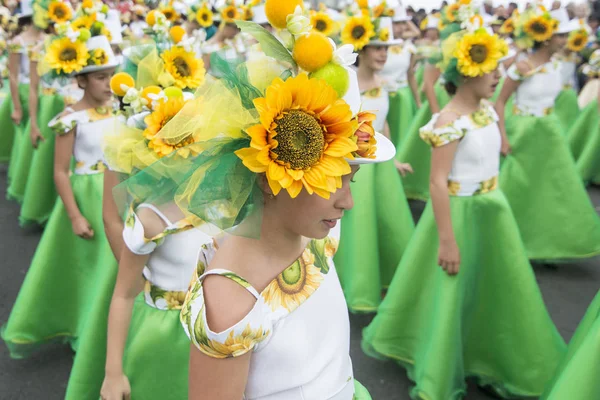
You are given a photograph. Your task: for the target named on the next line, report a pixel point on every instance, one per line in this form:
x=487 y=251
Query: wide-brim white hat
x=386 y=23
x=385 y=148
x=259 y=15
x=100 y=42
x=400 y=15
x=26 y=9
x=564 y=23
x=113 y=24
x=432 y=23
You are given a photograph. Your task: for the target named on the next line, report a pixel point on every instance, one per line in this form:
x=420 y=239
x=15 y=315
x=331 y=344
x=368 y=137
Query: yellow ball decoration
x=177 y=32
x=151 y=18
x=121 y=78
x=278 y=10
x=312 y=51
x=150 y=90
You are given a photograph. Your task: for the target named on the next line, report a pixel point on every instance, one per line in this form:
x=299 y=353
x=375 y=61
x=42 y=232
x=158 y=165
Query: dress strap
x=234 y=277
x=156 y=210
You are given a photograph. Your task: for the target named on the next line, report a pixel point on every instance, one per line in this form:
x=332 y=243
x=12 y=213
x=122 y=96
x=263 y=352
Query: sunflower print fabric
x=280 y=298
x=457 y=129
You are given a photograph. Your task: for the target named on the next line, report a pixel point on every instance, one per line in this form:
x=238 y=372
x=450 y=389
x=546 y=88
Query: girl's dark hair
x=450 y=88
x=538 y=45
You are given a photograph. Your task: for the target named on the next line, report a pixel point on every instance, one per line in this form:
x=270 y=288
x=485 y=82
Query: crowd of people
x=220 y=183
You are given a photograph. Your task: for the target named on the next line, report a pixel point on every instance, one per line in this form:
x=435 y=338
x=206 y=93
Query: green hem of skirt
x=20 y=349
x=41 y=221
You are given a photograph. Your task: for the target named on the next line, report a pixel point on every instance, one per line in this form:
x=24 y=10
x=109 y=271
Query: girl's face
x=399 y=29
x=558 y=42
x=374 y=57
x=432 y=34
x=309 y=215
x=484 y=86
x=230 y=30
x=97 y=84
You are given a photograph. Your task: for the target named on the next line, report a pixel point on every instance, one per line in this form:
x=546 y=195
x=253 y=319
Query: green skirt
x=584 y=139
x=417 y=153
x=577 y=377
x=40 y=192
x=19 y=132
x=22 y=155
x=155 y=360
x=556 y=218
x=402 y=111
x=567 y=108
x=487 y=322
x=374 y=236
x=62 y=283
x=7 y=132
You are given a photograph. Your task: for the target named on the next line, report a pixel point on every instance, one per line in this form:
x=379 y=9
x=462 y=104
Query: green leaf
x=269 y=43
x=286 y=74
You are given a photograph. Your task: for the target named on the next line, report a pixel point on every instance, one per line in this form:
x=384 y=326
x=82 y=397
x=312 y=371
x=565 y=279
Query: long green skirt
x=40 y=192
x=403 y=108
x=487 y=322
x=567 y=108
x=555 y=215
x=374 y=236
x=19 y=132
x=417 y=153
x=22 y=155
x=7 y=131
x=577 y=377
x=584 y=139
x=62 y=283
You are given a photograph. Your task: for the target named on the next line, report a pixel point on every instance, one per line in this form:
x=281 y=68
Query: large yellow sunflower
x=83 y=22
x=539 y=28
x=304 y=136
x=163 y=114
x=235 y=345
x=478 y=53
x=321 y=22
x=169 y=13
x=66 y=56
x=204 y=17
x=230 y=14
x=187 y=70
x=507 y=27
x=294 y=285
x=451 y=12
x=59 y=12
x=577 y=41
x=357 y=32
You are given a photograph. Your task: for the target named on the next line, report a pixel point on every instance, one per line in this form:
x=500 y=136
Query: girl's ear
x=81 y=81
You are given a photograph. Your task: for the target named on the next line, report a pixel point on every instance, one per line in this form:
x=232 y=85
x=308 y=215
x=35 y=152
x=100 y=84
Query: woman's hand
x=36 y=136
x=17 y=116
x=449 y=257
x=115 y=387
x=506 y=149
x=82 y=228
x=403 y=168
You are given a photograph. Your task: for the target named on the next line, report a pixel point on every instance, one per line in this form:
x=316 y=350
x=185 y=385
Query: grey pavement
x=567 y=290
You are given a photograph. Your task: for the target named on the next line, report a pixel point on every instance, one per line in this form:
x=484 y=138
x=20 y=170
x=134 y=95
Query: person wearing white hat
x=555 y=215
x=379 y=232
x=73 y=254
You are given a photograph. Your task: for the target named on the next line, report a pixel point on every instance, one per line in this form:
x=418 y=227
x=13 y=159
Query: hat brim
x=385 y=152
x=564 y=28
x=393 y=42
x=401 y=19
x=96 y=68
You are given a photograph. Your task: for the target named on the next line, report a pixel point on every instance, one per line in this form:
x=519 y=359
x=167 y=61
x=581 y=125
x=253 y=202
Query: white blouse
x=538 y=90
x=397 y=65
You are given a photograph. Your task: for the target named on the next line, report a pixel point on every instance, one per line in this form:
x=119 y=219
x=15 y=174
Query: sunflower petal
x=248 y=156
x=341 y=147
x=259 y=136
x=295 y=189
x=276 y=171
x=334 y=166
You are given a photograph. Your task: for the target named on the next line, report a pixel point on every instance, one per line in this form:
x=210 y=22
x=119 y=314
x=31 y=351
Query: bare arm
x=412 y=81
x=14 y=61
x=430 y=78
x=63 y=150
x=413 y=31
x=113 y=223
x=509 y=87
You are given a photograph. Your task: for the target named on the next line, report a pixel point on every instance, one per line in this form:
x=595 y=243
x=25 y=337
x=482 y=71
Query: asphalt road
x=567 y=291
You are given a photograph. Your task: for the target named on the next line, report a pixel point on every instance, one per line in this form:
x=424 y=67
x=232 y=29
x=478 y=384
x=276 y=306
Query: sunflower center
x=68 y=54
x=321 y=25
x=538 y=27
x=182 y=67
x=478 y=53
x=168 y=14
x=231 y=14
x=577 y=42
x=300 y=139
x=59 y=12
x=293 y=279
x=205 y=17
x=358 y=32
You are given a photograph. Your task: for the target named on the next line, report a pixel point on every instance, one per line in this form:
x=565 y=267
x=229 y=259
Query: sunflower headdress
x=47 y=12
x=284 y=118
x=533 y=26
x=471 y=52
x=368 y=25
x=204 y=15
x=324 y=21
x=578 y=38
x=456 y=16
x=592 y=68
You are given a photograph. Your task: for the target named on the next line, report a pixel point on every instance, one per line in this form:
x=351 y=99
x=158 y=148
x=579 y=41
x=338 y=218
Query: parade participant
x=73 y=254
x=555 y=215
x=377 y=230
x=7 y=134
x=276 y=211
x=48 y=95
x=400 y=71
x=18 y=67
x=576 y=377
x=567 y=108
x=464 y=295
x=584 y=135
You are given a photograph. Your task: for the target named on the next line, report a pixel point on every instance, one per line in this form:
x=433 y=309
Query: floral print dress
x=293 y=358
